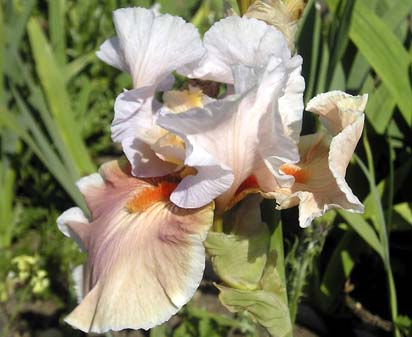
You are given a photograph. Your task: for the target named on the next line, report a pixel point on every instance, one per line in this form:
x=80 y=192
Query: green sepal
x=247 y=265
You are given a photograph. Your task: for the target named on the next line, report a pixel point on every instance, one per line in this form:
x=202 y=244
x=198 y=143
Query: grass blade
x=386 y=55
x=364 y=230
x=57 y=32
x=339 y=36
x=53 y=82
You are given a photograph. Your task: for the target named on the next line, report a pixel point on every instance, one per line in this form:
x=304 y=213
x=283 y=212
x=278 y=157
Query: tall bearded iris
x=190 y=157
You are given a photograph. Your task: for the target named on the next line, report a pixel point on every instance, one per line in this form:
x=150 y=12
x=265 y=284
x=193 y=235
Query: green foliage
x=56 y=105
x=247 y=257
x=240 y=257
x=362 y=47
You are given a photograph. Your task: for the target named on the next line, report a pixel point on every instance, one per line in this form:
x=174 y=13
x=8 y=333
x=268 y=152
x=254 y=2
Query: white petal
x=153 y=46
x=78 y=279
x=133 y=113
x=283 y=124
x=235 y=40
x=74 y=214
x=91 y=181
x=233 y=133
x=145 y=163
x=211 y=180
x=111 y=53
x=134 y=127
x=291 y=103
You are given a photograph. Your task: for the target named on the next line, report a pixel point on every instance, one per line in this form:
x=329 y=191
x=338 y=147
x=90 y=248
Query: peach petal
x=142 y=266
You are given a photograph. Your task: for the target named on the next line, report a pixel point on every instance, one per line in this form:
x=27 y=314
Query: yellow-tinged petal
x=145 y=255
x=179 y=101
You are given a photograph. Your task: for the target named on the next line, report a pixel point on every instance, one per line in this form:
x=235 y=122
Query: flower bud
x=283 y=15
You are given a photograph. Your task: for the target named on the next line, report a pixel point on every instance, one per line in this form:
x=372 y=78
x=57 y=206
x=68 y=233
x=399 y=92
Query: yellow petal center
x=179 y=101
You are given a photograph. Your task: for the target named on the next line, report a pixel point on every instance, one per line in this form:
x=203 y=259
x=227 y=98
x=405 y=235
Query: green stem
x=390 y=185
x=277 y=241
x=297 y=291
x=383 y=231
x=302 y=20
x=202 y=13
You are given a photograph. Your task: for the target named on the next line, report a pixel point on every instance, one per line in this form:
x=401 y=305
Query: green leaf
x=402 y=217
x=380 y=108
x=339 y=36
x=222 y=320
x=239 y=257
x=14 y=25
x=364 y=229
x=183 y=8
x=77 y=65
x=305 y=32
x=338 y=269
x=37 y=99
x=2 y=63
x=401 y=174
x=7 y=187
x=239 y=260
x=339 y=80
x=41 y=148
x=57 y=31
x=207 y=329
x=404 y=322
x=159 y=331
x=246 y=260
x=392 y=17
x=384 y=52
x=266 y=307
x=53 y=82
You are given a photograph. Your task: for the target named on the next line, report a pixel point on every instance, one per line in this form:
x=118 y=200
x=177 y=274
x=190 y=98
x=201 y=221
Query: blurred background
x=348 y=274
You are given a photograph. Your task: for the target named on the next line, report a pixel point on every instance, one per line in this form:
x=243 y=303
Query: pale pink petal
x=320 y=174
x=337 y=109
x=73 y=223
x=144 y=261
x=233 y=133
x=150 y=46
x=237 y=40
x=341 y=150
x=317 y=184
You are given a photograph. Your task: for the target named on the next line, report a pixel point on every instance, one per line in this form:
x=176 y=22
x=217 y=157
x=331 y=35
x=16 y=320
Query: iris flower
x=191 y=157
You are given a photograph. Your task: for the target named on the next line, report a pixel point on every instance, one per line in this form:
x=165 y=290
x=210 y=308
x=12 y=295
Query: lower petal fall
x=143 y=263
